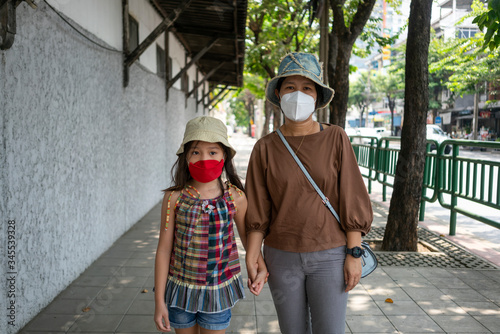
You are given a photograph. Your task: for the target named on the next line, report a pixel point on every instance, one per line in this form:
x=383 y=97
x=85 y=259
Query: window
x=466 y=32
x=185 y=82
x=169 y=69
x=161 y=67
x=133 y=33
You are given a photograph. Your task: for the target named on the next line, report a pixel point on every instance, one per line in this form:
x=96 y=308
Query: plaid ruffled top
x=204 y=273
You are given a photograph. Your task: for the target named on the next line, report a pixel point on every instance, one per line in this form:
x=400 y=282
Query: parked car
x=434 y=132
x=377 y=132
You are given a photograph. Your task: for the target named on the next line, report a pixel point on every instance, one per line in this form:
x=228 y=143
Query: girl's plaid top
x=204 y=273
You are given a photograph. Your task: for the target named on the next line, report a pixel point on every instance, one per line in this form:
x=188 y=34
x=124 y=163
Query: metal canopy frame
x=8 y=24
x=212 y=33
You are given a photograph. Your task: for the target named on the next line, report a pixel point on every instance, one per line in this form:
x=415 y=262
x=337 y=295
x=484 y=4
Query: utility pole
x=476 y=113
x=324 y=20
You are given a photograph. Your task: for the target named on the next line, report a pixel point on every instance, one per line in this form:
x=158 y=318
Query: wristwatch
x=356 y=252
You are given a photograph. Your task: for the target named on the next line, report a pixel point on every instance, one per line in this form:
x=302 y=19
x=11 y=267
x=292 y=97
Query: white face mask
x=297 y=106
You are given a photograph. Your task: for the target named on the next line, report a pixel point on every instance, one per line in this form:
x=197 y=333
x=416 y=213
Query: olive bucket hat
x=306 y=65
x=205 y=128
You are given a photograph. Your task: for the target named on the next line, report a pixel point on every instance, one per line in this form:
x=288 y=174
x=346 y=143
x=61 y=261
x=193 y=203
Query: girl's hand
x=161 y=318
x=352 y=272
x=257 y=276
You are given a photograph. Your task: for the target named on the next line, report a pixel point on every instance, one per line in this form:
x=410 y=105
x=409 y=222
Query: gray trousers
x=308 y=288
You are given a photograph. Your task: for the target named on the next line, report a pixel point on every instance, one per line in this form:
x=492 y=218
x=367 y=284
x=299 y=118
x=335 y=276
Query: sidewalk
x=114 y=295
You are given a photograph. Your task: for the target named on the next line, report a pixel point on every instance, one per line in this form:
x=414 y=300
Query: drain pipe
x=8 y=21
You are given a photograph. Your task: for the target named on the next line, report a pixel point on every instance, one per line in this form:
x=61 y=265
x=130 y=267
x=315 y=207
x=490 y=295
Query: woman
x=313 y=262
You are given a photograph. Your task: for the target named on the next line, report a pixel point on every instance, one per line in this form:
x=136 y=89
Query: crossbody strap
x=306 y=173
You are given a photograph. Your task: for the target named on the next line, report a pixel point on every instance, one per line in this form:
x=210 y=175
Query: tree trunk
x=341 y=40
x=267 y=118
x=401 y=229
x=338 y=106
x=392 y=106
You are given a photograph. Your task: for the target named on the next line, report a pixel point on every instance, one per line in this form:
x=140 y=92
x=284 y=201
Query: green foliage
x=489 y=19
x=468 y=64
x=237 y=106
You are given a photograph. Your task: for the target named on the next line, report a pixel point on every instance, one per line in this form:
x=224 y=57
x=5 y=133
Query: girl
x=197 y=270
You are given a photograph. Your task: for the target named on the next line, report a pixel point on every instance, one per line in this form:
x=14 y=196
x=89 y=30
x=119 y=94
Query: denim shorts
x=212 y=321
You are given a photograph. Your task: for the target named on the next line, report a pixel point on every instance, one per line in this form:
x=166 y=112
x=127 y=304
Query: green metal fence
x=451 y=179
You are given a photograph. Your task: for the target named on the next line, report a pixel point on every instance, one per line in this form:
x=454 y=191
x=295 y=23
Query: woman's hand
x=161 y=317
x=257 y=275
x=352 y=272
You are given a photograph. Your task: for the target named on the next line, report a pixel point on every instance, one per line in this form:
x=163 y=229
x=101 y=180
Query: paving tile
x=242 y=323
x=366 y=308
x=428 y=293
x=244 y=307
x=492 y=274
x=480 y=308
x=448 y=283
x=441 y=307
x=383 y=294
x=87 y=280
x=397 y=273
x=370 y=324
x=80 y=292
x=458 y=323
x=484 y=284
x=403 y=307
x=66 y=306
x=414 y=323
x=128 y=281
x=118 y=292
x=117 y=253
x=109 y=261
x=137 y=324
x=142 y=307
x=91 y=322
x=51 y=322
x=102 y=271
x=149 y=263
x=267 y=324
x=265 y=307
x=429 y=272
x=110 y=306
x=492 y=295
x=468 y=295
x=492 y=322
x=135 y=271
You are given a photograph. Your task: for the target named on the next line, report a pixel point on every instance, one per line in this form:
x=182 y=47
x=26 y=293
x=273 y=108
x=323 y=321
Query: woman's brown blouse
x=284 y=206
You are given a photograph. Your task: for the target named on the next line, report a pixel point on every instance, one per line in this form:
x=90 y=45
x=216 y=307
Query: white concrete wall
x=82 y=158
x=101 y=18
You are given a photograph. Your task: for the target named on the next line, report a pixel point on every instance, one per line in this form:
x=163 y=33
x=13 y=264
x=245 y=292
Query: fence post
x=454 y=190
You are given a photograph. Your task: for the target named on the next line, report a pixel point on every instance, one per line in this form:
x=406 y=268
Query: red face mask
x=206 y=170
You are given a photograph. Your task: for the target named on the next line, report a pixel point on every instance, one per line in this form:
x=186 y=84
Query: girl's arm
x=162 y=261
x=257 y=283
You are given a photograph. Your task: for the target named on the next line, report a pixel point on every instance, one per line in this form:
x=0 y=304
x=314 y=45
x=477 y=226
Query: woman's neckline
x=322 y=127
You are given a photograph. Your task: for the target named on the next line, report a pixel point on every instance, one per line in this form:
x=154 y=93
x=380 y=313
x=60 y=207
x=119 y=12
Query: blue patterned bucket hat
x=306 y=65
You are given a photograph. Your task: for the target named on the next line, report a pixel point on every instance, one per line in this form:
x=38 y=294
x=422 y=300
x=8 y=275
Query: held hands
x=352 y=272
x=161 y=318
x=257 y=275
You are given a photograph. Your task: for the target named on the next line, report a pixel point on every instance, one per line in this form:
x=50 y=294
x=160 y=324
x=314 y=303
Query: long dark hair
x=181 y=176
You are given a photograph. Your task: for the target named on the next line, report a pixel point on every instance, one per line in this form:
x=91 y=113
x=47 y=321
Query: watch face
x=357 y=252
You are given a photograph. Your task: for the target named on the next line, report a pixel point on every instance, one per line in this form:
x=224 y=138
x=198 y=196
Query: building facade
x=84 y=156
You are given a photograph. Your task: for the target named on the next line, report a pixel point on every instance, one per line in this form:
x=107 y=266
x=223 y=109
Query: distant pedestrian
x=197 y=269
x=304 y=246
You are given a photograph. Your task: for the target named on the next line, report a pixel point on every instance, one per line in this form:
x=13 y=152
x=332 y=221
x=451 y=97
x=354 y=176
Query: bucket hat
x=306 y=65
x=205 y=128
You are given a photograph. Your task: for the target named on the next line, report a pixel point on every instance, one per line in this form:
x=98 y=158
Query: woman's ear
x=277 y=93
